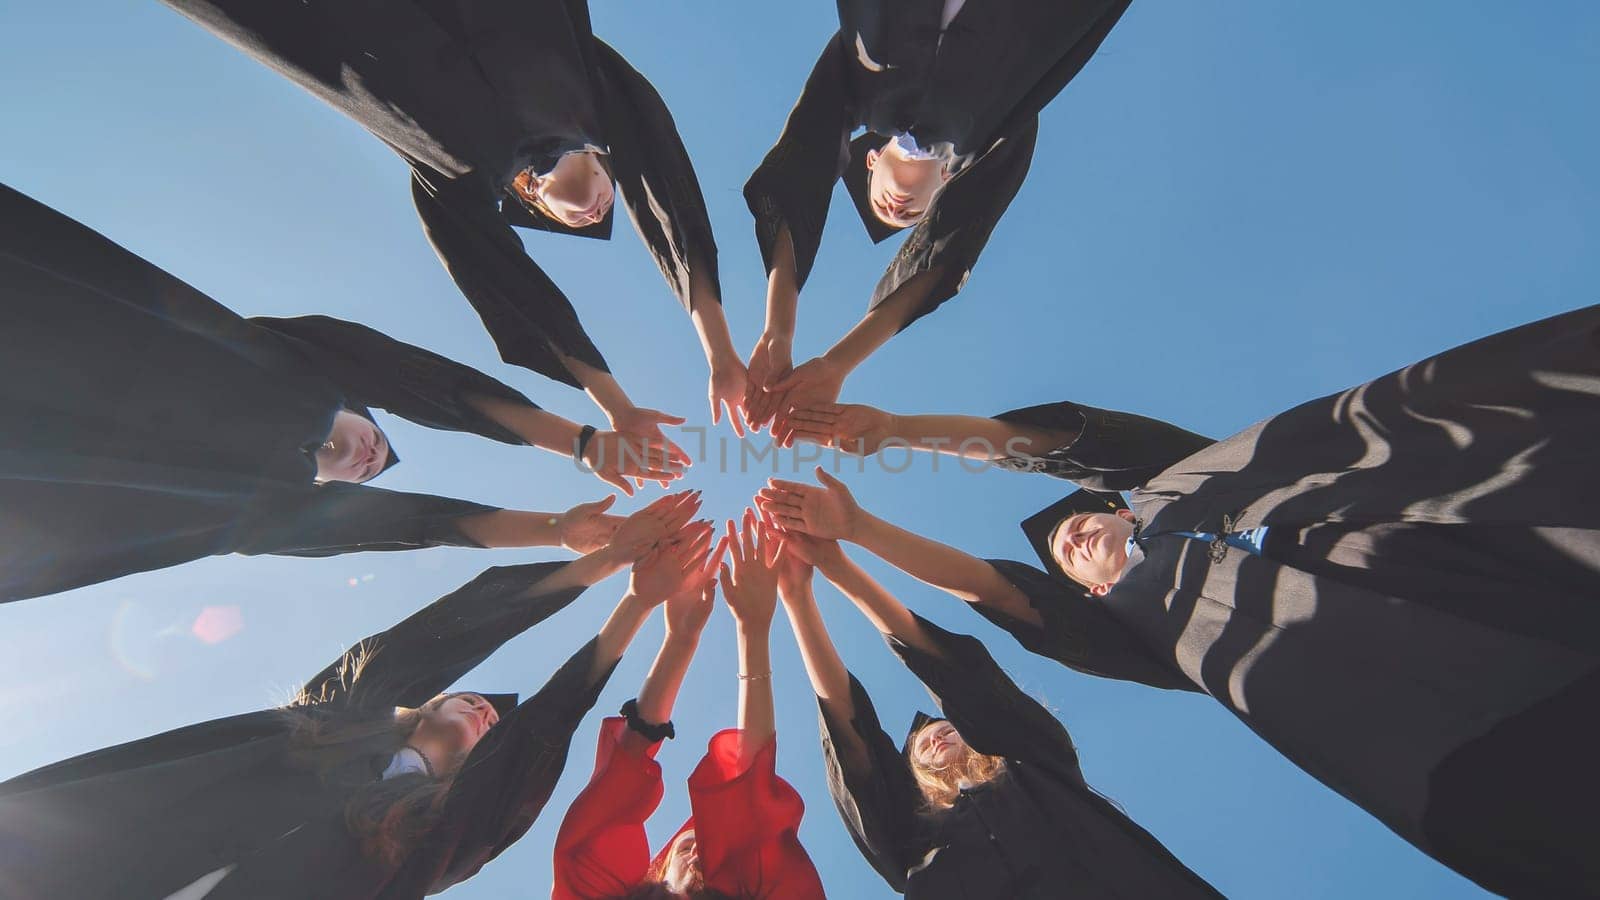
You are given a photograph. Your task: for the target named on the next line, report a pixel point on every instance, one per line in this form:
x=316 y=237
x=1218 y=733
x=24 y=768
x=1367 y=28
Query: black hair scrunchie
x=664 y=731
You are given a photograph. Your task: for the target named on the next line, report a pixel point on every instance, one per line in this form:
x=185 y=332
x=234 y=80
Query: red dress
x=745 y=823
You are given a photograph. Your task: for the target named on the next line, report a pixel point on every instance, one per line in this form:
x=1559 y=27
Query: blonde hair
x=942 y=785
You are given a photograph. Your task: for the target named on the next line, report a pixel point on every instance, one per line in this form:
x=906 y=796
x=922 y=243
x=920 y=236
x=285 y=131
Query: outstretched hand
x=586 y=527
x=678 y=565
x=750 y=577
x=816 y=382
x=641 y=532
x=615 y=457
x=688 y=611
x=827 y=511
x=729 y=389
x=644 y=425
x=770 y=362
x=851 y=427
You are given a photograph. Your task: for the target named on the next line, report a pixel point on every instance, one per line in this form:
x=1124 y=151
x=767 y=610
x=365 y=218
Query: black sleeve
x=878 y=800
x=993 y=715
x=374 y=369
x=335 y=518
x=415 y=660
x=531 y=321
x=1078 y=632
x=1114 y=451
x=657 y=179
x=794 y=183
x=508 y=778
x=952 y=235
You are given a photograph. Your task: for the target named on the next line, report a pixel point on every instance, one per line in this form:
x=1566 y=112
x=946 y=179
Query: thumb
x=603 y=504
x=827 y=480
x=726 y=578
x=610 y=477
x=662 y=417
x=786 y=382
x=716 y=410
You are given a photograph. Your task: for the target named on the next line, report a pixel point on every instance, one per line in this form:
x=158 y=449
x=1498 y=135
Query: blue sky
x=1237 y=206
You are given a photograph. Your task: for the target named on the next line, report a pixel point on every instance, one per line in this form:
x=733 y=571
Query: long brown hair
x=385 y=816
x=941 y=786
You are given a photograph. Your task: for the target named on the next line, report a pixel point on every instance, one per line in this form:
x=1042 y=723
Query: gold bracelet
x=763 y=676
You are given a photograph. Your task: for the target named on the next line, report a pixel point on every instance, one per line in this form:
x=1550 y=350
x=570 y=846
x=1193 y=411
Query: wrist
x=868 y=528
x=636 y=604
x=682 y=637
x=753 y=629
x=841 y=360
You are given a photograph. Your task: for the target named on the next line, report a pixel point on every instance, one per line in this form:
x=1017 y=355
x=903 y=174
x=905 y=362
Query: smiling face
x=577 y=192
x=682 y=872
x=938 y=746
x=1092 y=548
x=455 y=723
x=902 y=189
x=355 y=450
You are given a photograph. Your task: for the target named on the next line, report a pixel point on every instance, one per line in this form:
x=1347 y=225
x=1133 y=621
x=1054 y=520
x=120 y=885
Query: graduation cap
x=503 y=703
x=1039 y=526
x=918 y=722
x=858 y=183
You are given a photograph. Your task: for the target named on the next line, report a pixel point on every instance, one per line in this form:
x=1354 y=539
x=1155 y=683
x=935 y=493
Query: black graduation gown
x=887 y=70
x=1421 y=633
x=142 y=424
x=470 y=94
x=1039 y=832
x=146 y=818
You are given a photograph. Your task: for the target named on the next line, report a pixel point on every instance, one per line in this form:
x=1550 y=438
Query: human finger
x=747 y=534
x=736 y=417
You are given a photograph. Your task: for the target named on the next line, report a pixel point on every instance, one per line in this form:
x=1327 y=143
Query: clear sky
x=1237 y=206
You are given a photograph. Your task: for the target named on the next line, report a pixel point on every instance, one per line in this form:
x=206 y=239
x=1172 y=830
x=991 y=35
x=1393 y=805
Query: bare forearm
x=883 y=322
x=976 y=437
x=830 y=680
x=601 y=387
x=710 y=323
x=924 y=559
x=956 y=572
x=756 y=721
x=783 y=292
x=513 y=528
x=537 y=427
x=618 y=631
x=886 y=613
x=659 y=692
x=584 y=571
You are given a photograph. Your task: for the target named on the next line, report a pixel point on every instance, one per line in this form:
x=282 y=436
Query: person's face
x=938 y=746
x=683 y=862
x=901 y=189
x=1092 y=548
x=355 y=450
x=577 y=191
x=456 y=723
